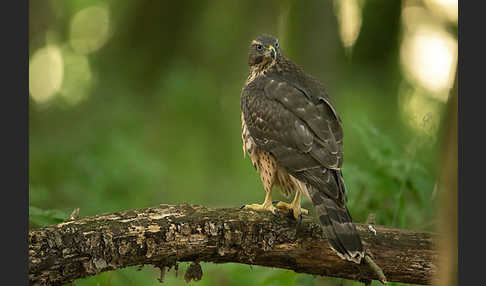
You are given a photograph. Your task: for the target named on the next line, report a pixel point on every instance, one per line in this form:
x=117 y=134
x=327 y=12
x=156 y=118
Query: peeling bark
x=168 y=234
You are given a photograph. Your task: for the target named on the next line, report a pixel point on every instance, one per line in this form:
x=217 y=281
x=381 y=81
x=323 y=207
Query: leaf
x=392 y=180
x=39 y=217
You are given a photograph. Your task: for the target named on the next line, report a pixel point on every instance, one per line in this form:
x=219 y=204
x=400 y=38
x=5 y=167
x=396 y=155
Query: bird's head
x=264 y=52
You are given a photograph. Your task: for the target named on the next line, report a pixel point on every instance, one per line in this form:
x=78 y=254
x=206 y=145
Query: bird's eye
x=259 y=47
x=276 y=45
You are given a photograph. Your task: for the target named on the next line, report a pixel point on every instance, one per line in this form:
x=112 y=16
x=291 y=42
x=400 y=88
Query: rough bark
x=168 y=234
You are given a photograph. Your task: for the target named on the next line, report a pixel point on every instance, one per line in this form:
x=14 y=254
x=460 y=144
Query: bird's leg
x=293 y=207
x=266 y=206
x=266 y=167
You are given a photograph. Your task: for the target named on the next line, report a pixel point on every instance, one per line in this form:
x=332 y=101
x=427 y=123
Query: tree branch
x=168 y=234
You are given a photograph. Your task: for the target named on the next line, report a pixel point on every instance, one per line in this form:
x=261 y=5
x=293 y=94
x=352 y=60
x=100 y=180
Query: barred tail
x=336 y=222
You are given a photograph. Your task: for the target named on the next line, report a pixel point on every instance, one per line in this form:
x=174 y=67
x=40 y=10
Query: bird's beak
x=273 y=52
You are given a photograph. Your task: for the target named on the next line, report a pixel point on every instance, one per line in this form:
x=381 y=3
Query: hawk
x=294 y=138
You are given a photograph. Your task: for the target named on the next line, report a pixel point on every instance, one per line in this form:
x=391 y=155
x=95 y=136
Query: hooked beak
x=273 y=52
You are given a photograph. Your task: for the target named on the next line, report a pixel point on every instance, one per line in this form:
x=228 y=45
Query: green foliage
x=39 y=217
x=391 y=180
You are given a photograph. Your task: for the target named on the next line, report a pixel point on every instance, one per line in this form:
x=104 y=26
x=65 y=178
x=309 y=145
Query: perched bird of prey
x=294 y=138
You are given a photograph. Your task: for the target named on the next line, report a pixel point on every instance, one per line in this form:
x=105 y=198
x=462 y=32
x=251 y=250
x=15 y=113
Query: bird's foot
x=294 y=210
x=261 y=207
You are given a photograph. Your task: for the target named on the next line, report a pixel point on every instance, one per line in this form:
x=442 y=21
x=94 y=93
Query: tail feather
x=336 y=221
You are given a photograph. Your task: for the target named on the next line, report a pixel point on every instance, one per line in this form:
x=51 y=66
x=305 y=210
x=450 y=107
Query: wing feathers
x=319 y=115
x=320 y=119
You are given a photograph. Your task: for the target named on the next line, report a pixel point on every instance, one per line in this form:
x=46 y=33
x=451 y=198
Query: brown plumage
x=294 y=138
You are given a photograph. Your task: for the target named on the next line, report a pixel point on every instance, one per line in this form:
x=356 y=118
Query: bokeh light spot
x=90 y=29
x=77 y=76
x=349 y=19
x=46 y=71
x=449 y=8
x=429 y=57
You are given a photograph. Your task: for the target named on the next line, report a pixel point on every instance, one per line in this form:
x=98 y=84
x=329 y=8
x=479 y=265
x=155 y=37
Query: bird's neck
x=259 y=70
x=255 y=72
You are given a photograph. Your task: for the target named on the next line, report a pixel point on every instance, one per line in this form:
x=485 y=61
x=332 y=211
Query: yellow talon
x=261 y=207
x=266 y=206
x=296 y=210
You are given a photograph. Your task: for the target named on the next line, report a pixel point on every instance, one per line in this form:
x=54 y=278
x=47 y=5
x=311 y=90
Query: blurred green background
x=136 y=103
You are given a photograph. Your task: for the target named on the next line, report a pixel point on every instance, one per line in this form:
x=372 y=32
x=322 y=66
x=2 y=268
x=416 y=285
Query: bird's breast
x=249 y=145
